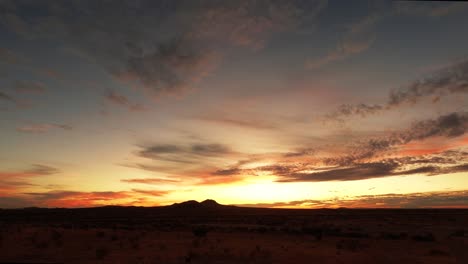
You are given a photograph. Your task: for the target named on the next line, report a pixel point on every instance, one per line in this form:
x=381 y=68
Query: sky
x=301 y=104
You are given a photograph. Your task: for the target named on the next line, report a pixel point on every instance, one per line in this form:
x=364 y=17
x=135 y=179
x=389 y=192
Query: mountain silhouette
x=192 y=204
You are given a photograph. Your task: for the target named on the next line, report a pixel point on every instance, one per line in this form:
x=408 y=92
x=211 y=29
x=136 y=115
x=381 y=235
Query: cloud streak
x=358 y=38
x=34 y=171
x=42 y=127
x=29 y=87
x=121 y=100
x=450 y=80
x=454 y=199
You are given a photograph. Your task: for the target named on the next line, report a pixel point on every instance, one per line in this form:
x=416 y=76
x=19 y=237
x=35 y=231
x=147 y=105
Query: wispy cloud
x=452 y=79
x=42 y=127
x=121 y=100
x=244 y=122
x=169 y=47
x=455 y=199
x=449 y=126
x=29 y=87
x=7 y=97
x=184 y=154
x=357 y=39
x=8 y=56
x=151 y=181
x=34 y=171
x=429 y=8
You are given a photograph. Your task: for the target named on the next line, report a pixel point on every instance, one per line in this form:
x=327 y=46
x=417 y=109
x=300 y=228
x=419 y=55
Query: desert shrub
x=352 y=245
x=314 y=231
x=196 y=243
x=102 y=252
x=200 y=231
x=42 y=245
x=114 y=237
x=100 y=234
x=458 y=233
x=393 y=236
x=162 y=246
x=424 y=237
x=135 y=245
x=437 y=252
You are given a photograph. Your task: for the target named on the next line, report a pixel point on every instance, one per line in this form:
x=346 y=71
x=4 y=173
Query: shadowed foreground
x=207 y=232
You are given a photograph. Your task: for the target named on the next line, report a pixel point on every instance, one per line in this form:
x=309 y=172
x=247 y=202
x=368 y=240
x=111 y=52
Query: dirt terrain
x=207 y=232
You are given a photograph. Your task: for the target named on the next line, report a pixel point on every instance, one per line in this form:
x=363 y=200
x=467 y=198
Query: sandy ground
x=55 y=244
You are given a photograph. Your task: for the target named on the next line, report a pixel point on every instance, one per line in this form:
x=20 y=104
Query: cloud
x=60 y=198
x=244 y=123
x=8 y=56
x=430 y=165
x=160 y=47
x=151 y=192
x=29 y=87
x=172 y=68
x=6 y=97
x=431 y=9
x=448 y=126
x=65 y=198
x=151 y=181
x=184 y=154
x=42 y=127
x=34 y=171
x=363 y=159
x=449 y=80
x=123 y=101
x=453 y=199
x=358 y=38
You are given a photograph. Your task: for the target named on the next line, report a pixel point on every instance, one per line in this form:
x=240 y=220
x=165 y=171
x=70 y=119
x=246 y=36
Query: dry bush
x=102 y=252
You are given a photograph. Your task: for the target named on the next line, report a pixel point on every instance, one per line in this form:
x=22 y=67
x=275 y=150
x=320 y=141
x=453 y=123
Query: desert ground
x=211 y=233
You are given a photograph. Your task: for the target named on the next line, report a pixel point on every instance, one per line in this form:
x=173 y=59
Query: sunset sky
x=303 y=104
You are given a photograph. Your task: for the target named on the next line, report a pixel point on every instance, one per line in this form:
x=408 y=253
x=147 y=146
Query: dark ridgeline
x=210 y=210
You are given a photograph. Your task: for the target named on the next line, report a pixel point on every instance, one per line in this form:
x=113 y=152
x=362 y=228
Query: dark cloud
x=450 y=80
x=183 y=154
x=29 y=87
x=449 y=126
x=121 y=100
x=42 y=127
x=210 y=149
x=164 y=47
x=300 y=153
x=227 y=172
x=347 y=110
x=384 y=168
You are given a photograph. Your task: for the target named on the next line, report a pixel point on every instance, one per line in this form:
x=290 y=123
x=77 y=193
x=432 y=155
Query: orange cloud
x=431 y=146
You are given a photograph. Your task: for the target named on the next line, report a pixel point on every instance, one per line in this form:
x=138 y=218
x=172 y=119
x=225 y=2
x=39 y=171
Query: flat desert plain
x=207 y=232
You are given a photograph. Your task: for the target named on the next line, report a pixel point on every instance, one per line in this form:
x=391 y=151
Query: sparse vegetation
x=424 y=237
x=200 y=231
x=102 y=252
